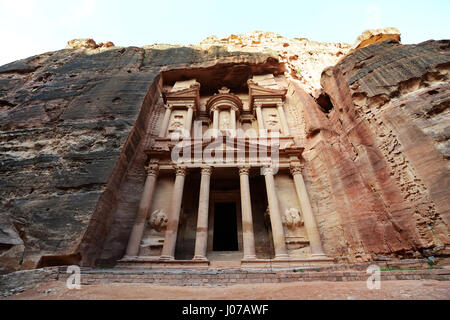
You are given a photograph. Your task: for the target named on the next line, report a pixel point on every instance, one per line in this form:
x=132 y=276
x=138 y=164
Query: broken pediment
x=264 y=89
x=183 y=92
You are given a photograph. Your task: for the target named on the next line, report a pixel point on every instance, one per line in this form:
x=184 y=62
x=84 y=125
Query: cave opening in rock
x=325 y=103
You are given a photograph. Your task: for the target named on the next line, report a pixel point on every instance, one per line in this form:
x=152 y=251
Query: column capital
x=244 y=170
x=207 y=171
x=180 y=171
x=152 y=169
x=267 y=170
x=280 y=105
x=190 y=106
x=168 y=106
x=297 y=168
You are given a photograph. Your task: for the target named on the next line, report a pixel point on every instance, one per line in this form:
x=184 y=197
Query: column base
x=129 y=257
x=320 y=256
x=166 y=258
x=249 y=257
x=200 y=258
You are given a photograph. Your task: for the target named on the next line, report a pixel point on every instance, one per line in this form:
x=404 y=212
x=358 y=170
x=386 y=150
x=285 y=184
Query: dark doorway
x=225 y=236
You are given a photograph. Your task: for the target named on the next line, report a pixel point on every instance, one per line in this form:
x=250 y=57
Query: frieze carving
x=158 y=220
x=292 y=218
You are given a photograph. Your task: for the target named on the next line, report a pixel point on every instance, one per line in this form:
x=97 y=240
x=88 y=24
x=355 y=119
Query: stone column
x=170 y=240
x=260 y=119
x=188 y=123
x=165 y=124
x=284 y=123
x=233 y=120
x=308 y=216
x=279 y=241
x=144 y=207
x=201 y=239
x=215 y=122
x=216 y=119
x=247 y=218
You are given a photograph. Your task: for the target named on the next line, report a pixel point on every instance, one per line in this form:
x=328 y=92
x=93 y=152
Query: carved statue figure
x=272 y=122
x=177 y=123
x=158 y=220
x=292 y=218
x=224 y=120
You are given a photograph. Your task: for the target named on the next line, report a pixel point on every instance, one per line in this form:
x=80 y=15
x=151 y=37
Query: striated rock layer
x=73 y=122
x=379 y=159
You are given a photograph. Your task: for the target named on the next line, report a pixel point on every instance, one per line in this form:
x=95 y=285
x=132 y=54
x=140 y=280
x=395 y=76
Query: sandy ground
x=354 y=290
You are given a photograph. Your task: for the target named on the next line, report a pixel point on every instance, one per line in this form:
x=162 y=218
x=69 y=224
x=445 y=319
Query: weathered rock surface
x=372 y=36
x=87 y=44
x=379 y=159
x=20 y=281
x=305 y=59
x=71 y=122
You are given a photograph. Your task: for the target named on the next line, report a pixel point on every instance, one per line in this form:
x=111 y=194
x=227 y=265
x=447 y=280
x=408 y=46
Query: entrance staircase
x=226 y=273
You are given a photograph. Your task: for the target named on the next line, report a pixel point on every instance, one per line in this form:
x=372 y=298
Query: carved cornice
x=225 y=100
x=224 y=106
x=187 y=96
x=262 y=94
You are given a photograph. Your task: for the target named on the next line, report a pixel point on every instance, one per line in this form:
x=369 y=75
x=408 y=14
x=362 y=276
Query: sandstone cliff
x=379 y=158
x=377 y=143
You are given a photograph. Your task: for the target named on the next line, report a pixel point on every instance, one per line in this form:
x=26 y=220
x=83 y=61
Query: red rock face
x=379 y=162
x=377 y=150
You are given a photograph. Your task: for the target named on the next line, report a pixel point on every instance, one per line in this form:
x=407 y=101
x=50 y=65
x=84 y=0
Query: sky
x=30 y=27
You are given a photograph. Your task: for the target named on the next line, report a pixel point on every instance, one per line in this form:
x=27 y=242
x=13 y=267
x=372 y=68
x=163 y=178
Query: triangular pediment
x=186 y=94
x=262 y=93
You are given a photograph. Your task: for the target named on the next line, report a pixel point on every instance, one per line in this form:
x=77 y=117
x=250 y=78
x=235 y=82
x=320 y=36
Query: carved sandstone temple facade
x=224 y=181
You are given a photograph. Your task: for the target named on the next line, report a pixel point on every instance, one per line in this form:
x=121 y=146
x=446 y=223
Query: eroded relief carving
x=272 y=121
x=225 y=121
x=177 y=122
x=292 y=218
x=158 y=220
